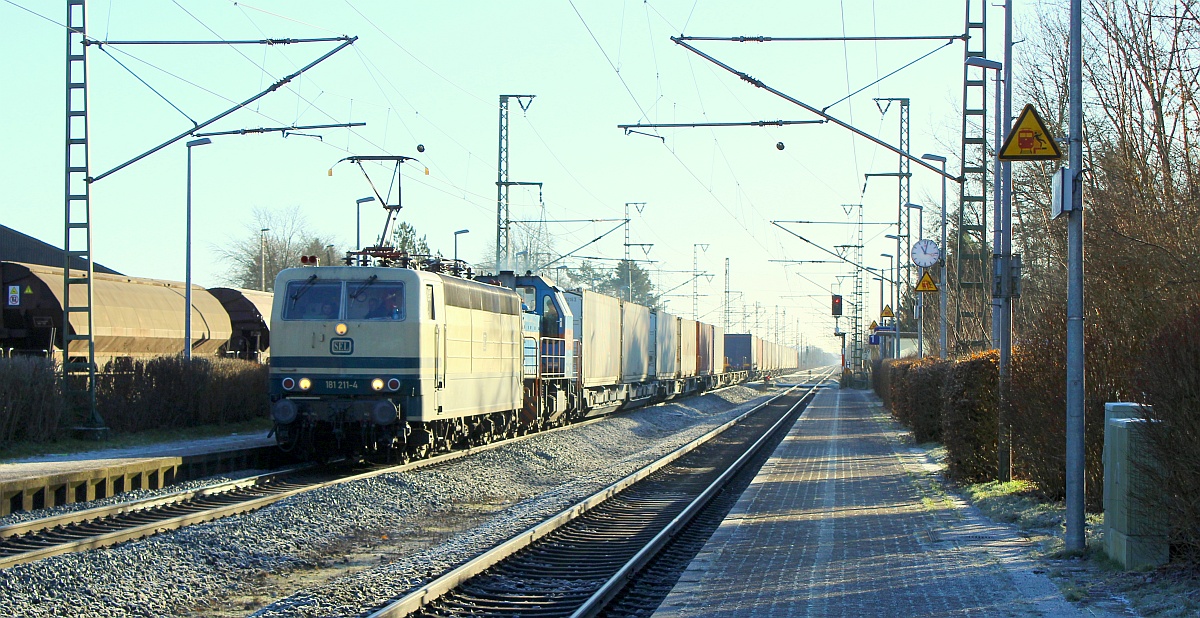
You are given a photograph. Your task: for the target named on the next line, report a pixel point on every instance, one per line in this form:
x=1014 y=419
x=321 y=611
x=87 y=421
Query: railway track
x=109 y=525
x=622 y=548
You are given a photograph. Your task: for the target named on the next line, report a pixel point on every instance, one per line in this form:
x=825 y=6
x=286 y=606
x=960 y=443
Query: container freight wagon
x=722 y=375
x=704 y=349
x=666 y=345
x=740 y=349
x=597 y=319
x=636 y=343
x=638 y=354
x=688 y=352
x=710 y=357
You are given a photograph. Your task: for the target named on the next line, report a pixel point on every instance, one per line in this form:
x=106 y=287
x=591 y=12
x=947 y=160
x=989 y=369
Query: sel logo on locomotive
x=341 y=346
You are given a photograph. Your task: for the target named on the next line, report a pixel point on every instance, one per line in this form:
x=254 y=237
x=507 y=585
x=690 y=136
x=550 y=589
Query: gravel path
x=202 y=567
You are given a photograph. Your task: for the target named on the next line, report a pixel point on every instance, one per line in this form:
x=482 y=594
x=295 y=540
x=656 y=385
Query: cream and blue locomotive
x=395 y=362
x=385 y=360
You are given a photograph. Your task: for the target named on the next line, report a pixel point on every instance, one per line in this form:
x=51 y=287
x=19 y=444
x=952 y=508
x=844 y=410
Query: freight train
x=131 y=316
x=396 y=357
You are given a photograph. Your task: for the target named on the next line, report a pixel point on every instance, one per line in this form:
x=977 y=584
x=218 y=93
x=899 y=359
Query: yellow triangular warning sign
x=28 y=290
x=926 y=283
x=874 y=324
x=1029 y=139
x=887 y=312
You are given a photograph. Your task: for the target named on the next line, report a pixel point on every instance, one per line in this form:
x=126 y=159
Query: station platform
x=54 y=479
x=842 y=520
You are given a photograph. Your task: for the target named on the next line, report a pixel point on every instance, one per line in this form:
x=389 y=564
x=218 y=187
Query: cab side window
x=549 y=318
x=429 y=299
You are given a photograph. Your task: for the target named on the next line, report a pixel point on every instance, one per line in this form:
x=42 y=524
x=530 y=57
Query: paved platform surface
x=839 y=523
x=63 y=463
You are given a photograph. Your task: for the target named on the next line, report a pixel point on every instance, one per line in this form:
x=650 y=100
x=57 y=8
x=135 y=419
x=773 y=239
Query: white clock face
x=925 y=253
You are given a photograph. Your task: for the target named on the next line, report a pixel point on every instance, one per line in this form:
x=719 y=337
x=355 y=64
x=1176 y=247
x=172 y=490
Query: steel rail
x=450 y=580
x=90 y=522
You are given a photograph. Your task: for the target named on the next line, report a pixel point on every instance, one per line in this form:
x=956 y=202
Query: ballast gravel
x=189 y=570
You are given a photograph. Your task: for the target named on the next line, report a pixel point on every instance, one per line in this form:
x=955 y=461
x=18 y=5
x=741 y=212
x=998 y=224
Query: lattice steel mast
x=79 y=376
x=856 y=349
x=972 y=286
x=503 y=223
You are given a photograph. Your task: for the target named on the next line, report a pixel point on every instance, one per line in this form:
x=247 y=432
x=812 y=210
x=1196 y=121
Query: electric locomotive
x=391 y=361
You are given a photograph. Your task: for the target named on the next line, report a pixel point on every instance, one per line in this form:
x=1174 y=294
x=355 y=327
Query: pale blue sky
x=431 y=73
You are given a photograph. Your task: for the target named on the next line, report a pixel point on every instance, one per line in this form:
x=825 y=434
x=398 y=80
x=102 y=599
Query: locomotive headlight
x=377 y=384
x=305 y=384
x=341 y=329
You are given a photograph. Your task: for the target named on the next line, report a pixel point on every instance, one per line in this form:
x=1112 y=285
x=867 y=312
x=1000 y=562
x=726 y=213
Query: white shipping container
x=666 y=348
x=636 y=343
x=598 y=327
x=688 y=336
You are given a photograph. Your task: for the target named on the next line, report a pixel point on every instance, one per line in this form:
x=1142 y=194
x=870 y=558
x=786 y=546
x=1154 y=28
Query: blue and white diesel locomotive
x=406 y=357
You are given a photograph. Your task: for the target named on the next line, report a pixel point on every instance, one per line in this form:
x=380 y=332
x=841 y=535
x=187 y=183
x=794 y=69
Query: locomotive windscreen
x=310 y=300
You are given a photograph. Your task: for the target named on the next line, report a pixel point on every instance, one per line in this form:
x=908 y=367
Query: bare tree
x=273 y=240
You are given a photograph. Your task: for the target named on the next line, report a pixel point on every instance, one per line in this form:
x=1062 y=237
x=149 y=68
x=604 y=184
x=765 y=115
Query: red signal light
x=837 y=304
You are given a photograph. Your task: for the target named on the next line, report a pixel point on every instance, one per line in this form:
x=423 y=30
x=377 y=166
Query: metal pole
x=1075 y=540
x=358 y=222
x=895 y=327
x=262 y=257
x=997 y=233
x=1004 y=443
x=456 y=235
x=881 y=296
x=896 y=297
x=187 y=292
x=943 y=306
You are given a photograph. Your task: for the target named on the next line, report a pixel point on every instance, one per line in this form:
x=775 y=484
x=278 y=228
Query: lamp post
x=896 y=291
x=895 y=294
x=358 y=221
x=262 y=259
x=880 y=279
x=942 y=310
x=187 y=293
x=920 y=295
x=456 y=235
x=1001 y=250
